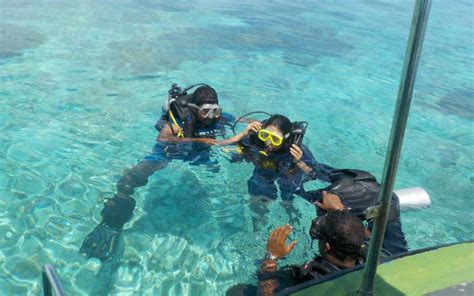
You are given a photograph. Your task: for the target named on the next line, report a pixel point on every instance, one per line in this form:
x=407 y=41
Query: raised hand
x=253 y=127
x=276 y=244
x=296 y=152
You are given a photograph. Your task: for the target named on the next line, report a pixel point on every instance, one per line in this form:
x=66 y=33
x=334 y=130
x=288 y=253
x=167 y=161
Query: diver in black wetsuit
x=358 y=191
x=341 y=246
x=342 y=238
x=189 y=125
x=275 y=147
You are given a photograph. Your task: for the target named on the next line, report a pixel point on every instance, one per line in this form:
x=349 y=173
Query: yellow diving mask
x=265 y=135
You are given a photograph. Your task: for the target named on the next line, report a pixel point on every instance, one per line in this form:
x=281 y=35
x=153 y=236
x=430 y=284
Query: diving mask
x=265 y=135
x=208 y=110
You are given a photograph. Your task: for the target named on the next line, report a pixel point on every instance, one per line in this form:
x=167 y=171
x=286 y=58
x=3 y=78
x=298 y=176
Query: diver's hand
x=277 y=240
x=296 y=152
x=331 y=202
x=252 y=127
x=101 y=242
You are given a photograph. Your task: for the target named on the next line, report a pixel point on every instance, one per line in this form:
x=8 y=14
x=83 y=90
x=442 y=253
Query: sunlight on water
x=81 y=85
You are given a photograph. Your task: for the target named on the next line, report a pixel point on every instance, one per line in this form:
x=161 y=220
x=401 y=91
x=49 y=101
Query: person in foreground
x=358 y=190
x=189 y=125
x=340 y=238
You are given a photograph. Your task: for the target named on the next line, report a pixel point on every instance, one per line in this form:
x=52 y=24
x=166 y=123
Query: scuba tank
x=175 y=110
x=357 y=189
x=178 y=99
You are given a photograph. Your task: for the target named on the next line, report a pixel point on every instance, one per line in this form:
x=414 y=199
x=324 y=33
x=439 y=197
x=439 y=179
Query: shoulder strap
x=176 y=124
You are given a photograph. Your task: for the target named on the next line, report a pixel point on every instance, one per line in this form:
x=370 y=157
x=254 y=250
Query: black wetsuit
x=359 y=190
x=310 y=270
x=290 y=276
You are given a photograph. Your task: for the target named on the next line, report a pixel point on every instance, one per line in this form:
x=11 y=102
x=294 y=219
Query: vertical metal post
x=46 y=285
x=402 y=108
x=51 y=282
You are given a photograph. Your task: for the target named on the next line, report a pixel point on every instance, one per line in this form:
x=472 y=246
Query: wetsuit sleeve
x=321 y=171
x=267 y=285
x=272 y=280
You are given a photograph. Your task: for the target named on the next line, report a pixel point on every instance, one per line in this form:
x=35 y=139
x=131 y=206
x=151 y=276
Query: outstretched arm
x=167 y=134
x=251 y=127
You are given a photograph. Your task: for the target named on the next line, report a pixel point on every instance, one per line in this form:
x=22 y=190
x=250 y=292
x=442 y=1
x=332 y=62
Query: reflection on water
x=82 y=85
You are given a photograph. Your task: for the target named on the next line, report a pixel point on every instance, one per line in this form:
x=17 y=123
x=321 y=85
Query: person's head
x=275 y=131
x=205 y=105
x=339 y=234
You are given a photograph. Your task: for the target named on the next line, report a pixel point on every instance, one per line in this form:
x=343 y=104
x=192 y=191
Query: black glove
x=101 y=242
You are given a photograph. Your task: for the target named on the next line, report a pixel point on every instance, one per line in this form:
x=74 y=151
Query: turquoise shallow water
x=81 y=85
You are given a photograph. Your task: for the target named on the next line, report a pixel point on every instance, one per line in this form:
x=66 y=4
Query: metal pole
x=402 y=108
x=51 y=282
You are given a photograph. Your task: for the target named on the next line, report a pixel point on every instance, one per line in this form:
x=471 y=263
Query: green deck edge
x=411 y=275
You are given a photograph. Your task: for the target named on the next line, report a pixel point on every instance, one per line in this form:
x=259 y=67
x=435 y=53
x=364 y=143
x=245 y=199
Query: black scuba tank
x=177 y=103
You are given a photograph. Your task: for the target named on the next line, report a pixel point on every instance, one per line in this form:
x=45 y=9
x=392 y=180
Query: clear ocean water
x=82 y=83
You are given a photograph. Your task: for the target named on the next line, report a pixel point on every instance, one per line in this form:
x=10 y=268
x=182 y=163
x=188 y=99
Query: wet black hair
x=345 y=234
x=205 y=95
x=281 y=122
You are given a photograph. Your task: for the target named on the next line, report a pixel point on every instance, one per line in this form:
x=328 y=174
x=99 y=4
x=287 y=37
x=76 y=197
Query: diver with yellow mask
x=275 y=147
